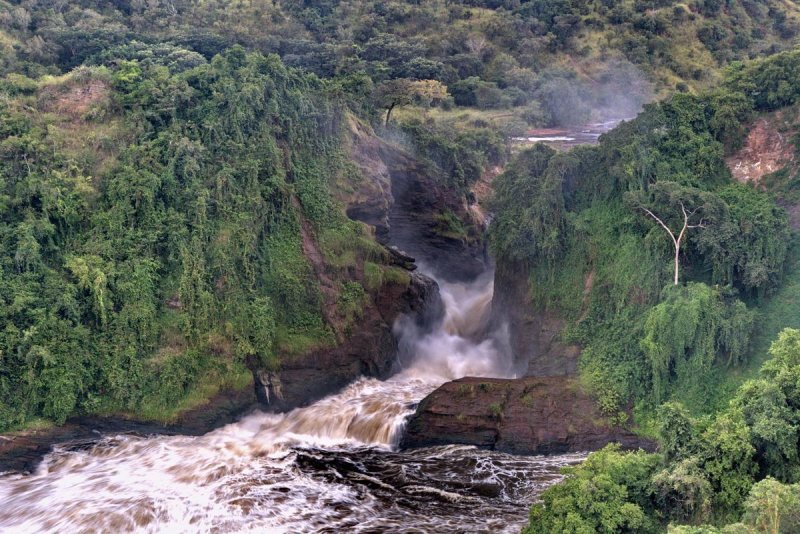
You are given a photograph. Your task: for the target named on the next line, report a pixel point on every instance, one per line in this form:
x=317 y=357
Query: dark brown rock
x=534 y=334
x=533 y=415
x=416 y=220
x=372 y=198
x=401 y=259
x=405 y=201
x=370 y=350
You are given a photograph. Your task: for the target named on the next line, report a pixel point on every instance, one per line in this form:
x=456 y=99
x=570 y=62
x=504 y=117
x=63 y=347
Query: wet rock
x=534 y=335
x=372 y=199
x=272 y=389
x=408 y=206
x=370 y=350
x=417 y=223
x=533 y=415
x=401 y=259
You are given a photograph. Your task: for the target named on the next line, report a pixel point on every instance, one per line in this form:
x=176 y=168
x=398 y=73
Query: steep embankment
x=546 y=411
x=158 y=280
x=768 y=158
x=583 y=276
x=369 y=350
x=411 y=210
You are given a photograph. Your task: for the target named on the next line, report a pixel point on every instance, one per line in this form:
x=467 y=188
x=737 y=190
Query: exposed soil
x=794 y=216
x=75 y=100
x=767 y=149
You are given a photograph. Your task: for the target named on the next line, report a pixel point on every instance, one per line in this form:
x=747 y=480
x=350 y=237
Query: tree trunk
x=677 y=261
x=389 y=113
x=676 y=241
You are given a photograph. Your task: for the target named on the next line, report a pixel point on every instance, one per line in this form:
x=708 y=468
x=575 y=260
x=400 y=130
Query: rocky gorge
x=544 y=411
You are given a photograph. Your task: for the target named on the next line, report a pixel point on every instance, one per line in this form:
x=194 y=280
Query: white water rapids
x=329 y=467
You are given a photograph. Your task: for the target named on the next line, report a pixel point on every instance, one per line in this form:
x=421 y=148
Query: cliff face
x=534 y=335
x=533 y=415
x=364 y=348
x=371 y=350
x=409 y=209
x=396 y=195
x=546 y=411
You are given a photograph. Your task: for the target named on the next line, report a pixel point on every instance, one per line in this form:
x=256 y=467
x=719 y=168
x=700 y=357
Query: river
x=333 y=466
x=566 y=138
x=329 y=467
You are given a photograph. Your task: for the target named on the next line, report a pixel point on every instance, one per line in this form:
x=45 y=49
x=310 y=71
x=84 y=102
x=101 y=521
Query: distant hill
x=560 y=59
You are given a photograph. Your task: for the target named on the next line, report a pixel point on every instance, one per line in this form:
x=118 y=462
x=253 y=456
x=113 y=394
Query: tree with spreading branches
x=677 y=209
x=403 y=92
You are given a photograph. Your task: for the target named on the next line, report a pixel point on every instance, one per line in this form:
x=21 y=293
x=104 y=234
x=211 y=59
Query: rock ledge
x=532 y=415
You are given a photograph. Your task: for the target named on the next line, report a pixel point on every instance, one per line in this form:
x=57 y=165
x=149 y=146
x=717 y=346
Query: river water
x=566 y=138
x=330 y=467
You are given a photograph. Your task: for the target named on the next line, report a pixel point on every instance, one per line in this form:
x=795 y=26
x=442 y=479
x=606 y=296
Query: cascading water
x=329 y=467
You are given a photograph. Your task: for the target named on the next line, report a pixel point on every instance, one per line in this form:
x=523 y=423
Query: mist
x=617 y=91
x=462 y=343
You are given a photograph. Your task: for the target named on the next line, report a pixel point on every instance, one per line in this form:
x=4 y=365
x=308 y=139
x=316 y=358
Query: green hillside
x=557 y=60
x=151 y=233
x=175 y=178
x=684 y=341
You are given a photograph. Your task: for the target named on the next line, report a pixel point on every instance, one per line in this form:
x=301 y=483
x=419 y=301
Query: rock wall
x=371 y=350
x=533 y=415
x=534 y=335
x=401 y=198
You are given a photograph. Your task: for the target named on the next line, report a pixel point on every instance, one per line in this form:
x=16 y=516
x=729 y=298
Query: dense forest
x=554 y=61
x=671 y=338
x=152 y=227
x=174 y=177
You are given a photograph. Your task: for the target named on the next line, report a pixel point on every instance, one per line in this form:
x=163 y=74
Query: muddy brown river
x=330 y=467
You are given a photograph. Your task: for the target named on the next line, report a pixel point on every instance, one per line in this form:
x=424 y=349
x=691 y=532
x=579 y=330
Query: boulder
x=532 y=415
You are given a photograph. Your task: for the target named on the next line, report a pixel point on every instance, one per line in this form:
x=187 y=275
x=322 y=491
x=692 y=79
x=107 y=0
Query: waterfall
x=286 y=472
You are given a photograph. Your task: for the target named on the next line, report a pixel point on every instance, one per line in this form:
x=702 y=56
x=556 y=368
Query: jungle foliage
x=735 y=472
x=595 y=228
x=151 y=232
x=559 y=60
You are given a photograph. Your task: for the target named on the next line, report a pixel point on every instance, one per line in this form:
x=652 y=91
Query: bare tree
x=477 y=43
x=678 y=240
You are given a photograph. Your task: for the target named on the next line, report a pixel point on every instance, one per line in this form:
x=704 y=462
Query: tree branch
x=659 y=221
